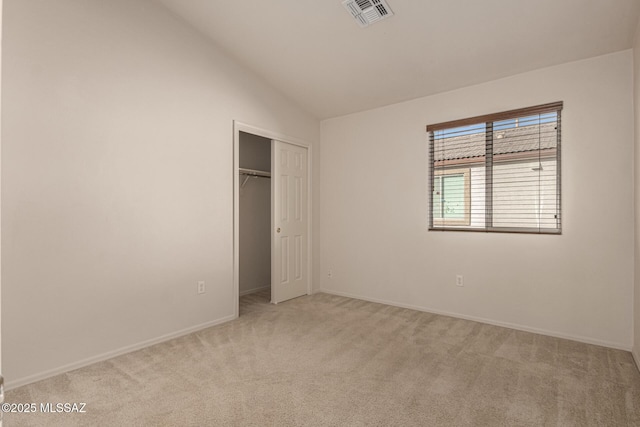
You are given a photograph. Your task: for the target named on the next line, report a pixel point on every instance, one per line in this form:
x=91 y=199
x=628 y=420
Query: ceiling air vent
x=366 y=12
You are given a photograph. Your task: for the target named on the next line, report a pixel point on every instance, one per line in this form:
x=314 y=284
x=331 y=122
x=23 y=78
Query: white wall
x=1 y=32
x=374 y=234
x=254 y=215
x=117 y=178
x=636 y=298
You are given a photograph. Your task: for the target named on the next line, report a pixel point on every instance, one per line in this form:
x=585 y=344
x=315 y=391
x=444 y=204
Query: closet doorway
x=255 y=214
x=271 y=215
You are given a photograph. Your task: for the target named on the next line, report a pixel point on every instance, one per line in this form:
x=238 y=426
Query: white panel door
x=289 y=170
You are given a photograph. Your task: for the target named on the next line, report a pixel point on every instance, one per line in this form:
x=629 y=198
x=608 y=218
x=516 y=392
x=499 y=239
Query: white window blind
x=499 y=172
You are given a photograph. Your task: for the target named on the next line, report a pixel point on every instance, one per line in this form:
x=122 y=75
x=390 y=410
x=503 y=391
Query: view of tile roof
x=506 y=141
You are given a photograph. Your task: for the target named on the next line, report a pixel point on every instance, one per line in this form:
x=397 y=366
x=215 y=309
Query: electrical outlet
x=201 y=287
x=459 y=280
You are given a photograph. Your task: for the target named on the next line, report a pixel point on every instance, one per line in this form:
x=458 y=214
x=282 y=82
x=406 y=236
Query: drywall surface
x=255 y=215
x=117 y=178
x=374 y=236
x=636 y=115
x=1 y=9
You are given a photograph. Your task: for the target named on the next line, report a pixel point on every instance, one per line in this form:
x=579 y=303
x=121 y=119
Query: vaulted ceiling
x=316 y=54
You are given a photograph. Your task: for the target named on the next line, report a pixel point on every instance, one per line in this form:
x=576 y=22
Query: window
x=454 y=209
x=499 y=172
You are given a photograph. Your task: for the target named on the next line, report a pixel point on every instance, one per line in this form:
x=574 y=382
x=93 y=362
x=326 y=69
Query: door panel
x=284 y=259
x=290 y=235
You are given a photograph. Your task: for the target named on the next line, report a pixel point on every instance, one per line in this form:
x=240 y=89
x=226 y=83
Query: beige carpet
x=328 y=360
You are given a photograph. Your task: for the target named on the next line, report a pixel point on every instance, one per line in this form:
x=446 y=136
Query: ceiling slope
x=317 y=55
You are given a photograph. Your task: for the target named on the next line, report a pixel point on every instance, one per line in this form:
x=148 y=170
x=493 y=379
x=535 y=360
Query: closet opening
x=254 y=244
x=271 y=217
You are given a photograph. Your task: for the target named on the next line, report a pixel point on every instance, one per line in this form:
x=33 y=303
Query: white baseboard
x=110 y=354
x=516 y=326
x=254 y=290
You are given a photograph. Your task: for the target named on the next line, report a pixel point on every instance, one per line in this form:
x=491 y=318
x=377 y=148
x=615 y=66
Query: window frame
x=488 y=120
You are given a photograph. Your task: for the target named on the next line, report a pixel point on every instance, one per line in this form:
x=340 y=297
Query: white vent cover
x=366 y=12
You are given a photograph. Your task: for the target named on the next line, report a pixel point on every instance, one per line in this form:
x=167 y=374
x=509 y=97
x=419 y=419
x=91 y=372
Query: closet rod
x=254 y=172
